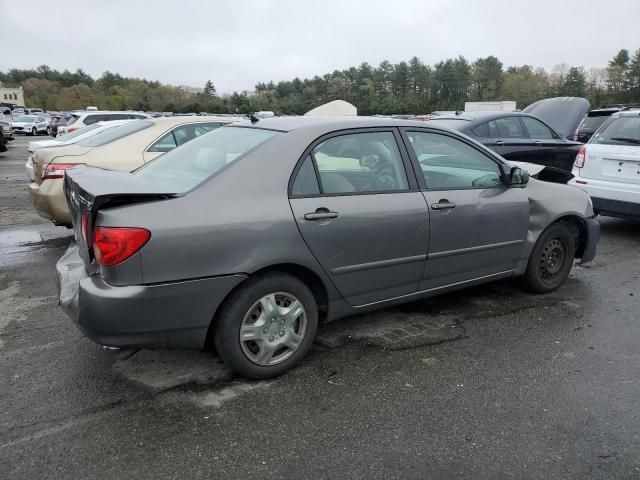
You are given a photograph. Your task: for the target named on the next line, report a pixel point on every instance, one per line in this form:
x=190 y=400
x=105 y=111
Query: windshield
x=619 y=131
x=25 y=118
x=185 y=167
x=452 y=123
x=114 y=134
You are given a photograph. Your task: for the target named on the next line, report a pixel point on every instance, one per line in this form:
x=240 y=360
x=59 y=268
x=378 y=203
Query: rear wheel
x=267 y=326
x=551 y=259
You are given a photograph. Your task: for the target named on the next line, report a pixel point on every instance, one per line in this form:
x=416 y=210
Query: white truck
x=500 y=106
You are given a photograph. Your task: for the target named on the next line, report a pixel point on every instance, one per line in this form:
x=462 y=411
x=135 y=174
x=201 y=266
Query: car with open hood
x=249 y=237
x=536 y=135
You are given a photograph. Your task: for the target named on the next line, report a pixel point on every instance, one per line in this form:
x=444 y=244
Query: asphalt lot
x=490 y=382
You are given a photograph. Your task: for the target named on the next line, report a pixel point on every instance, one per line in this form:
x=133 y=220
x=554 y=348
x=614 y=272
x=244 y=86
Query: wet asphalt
x=489 y=382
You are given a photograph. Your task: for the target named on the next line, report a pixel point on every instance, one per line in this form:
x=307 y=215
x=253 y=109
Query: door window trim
x=409 y=171
x=418 y=171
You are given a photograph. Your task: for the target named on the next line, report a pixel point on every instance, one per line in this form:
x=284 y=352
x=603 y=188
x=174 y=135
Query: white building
x=12 y=95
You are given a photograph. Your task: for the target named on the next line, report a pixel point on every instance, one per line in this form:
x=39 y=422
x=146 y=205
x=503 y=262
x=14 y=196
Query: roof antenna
x=459 y=112
x=254 y=119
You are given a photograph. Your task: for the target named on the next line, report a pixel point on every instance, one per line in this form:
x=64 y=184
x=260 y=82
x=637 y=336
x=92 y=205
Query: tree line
x=404 y=88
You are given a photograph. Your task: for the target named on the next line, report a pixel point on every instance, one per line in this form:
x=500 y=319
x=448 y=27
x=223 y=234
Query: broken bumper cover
x=165 y=315
x=593 y=236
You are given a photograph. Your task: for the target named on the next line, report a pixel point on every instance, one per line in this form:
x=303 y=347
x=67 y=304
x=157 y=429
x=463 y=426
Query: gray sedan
x=249 y=237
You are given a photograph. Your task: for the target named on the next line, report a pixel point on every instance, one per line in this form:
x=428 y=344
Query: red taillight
x=580 y=158
x=71 y=129
x=113 y=245
x=55 y=170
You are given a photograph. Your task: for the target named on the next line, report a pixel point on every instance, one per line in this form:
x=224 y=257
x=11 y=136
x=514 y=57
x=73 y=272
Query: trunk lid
x=563 y=114
x=614 y=163
x=88 y=189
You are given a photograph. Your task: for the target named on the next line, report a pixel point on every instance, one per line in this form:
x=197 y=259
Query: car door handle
x=499 y=142
x=537 y=142
x=321 y=214
x=443 y=205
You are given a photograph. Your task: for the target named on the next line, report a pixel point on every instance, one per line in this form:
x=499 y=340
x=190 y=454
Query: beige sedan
x=125 y=147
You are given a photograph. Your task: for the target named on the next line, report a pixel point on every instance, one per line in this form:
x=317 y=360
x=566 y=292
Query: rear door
x=361 y=214
x=478 y=225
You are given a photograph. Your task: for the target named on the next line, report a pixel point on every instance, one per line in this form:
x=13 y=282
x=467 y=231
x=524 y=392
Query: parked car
x=596 y=117
x=57 y=121
x=6 y=135
x=523 y=136
x=69 y=139
x=247 y=237
x=89 y=117
x=125 y=147
x=608 y=167
x=31 y=125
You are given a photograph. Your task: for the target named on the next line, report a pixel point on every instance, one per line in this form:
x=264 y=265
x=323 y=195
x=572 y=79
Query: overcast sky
x=240 y=42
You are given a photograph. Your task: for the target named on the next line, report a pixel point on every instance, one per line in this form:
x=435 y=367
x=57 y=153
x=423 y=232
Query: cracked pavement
x=489 y=382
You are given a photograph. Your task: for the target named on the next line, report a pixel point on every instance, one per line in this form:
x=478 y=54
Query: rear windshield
x=619 y=131
x=77 y=133
x=452 y=123
x=116 y=133
x=183 y=168
x=594 y=122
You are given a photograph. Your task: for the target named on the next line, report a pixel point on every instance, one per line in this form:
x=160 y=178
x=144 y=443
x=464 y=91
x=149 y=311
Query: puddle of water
x=16 y=244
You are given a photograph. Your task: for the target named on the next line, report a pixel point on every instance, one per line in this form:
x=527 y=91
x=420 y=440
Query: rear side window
x=114 y=134
x=360 y=163
x=181 y=135
x=306 y=182
x=91 y=119
x=185 y=167
x=482 y=130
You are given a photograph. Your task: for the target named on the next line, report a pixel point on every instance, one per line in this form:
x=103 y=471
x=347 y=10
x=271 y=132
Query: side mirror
x=518 y=176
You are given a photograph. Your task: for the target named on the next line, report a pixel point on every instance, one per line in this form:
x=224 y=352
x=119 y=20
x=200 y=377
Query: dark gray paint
x=241 y=221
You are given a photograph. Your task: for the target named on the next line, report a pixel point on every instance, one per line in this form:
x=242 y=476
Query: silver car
x=248 y=237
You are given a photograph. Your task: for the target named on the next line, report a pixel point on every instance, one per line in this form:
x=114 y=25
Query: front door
x=478 y=225
x=511 y=142
x=362 y=217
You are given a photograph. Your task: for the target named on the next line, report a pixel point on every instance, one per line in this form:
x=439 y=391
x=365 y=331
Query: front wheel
x=34 y=132
x=551 y=259
x=267 y=326
x=48 y=131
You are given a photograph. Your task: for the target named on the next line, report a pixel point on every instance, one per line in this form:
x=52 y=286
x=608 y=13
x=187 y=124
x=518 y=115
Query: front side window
x=448 y=163
x=509 y=127
x=537 y=129
x=360 y=162
x=185 y=167
x=619 y=131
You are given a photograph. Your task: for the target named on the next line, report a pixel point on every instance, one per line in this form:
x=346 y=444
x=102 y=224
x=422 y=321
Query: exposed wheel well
x=304 y=274
x=579 y=228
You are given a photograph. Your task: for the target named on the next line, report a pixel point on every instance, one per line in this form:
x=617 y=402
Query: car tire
x=34 y=132
x=551 y=259
x=276 y=334
x=48 y=131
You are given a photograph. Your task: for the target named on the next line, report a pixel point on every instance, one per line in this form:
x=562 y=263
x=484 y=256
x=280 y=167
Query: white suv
x=89 y=117
x=608 y=167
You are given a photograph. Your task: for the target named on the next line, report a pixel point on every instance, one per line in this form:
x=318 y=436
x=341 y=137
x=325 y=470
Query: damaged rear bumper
x=176 y=314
